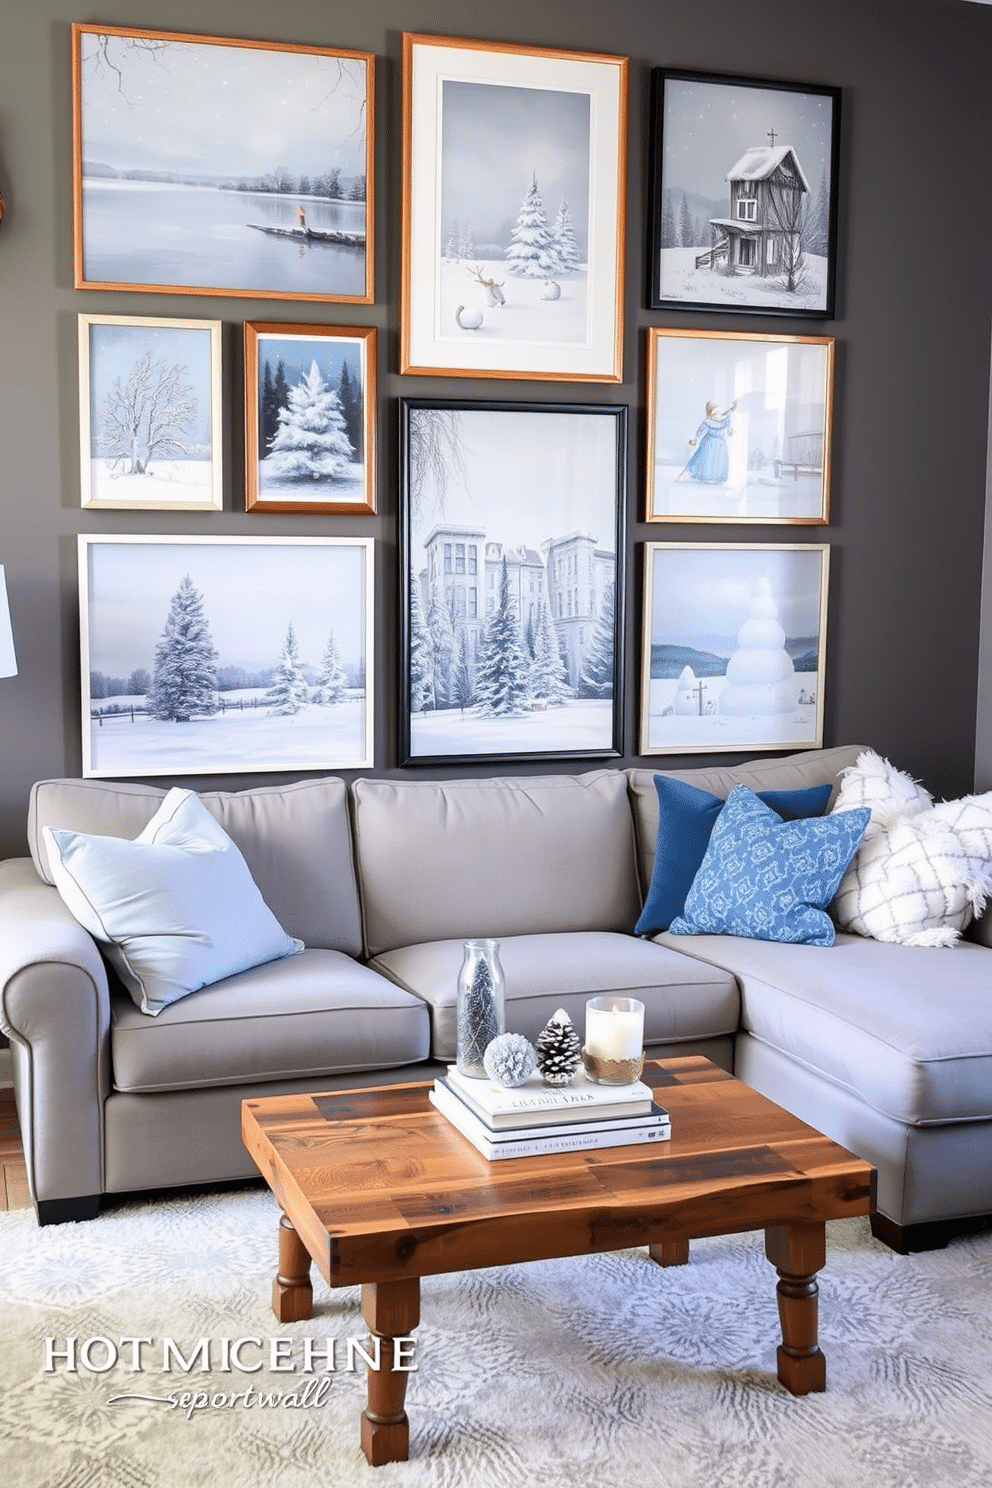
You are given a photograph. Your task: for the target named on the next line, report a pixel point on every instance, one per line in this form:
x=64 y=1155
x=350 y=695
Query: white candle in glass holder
x=614 y=1027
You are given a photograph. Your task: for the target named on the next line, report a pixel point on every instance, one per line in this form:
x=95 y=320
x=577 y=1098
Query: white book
x=540 y=1145
x=535 y=1104
x=450 y=1102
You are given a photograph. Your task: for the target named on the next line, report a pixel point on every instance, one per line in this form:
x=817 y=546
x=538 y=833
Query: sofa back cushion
x=460 y=859
x=295 y=839
x=794 y=772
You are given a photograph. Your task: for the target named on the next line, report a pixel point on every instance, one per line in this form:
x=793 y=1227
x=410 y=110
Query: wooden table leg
x=292 y=1294
x=670 y=1252
x=798 y=1251
x=392 y=1310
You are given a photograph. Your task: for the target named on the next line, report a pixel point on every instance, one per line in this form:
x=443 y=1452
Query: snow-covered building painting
x=763 y=234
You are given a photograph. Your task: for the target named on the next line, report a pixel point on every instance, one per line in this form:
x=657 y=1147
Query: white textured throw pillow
x=922 y=871
x=175 y=910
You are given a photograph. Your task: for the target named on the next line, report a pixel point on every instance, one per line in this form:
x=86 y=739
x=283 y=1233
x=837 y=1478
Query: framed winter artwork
x=150 y=413
x=744 y=194
x=733 y=649
x=514 y=163
x=215 y=165
x=309 y=418
x=182 y=675
x=738 y=427
x=511 y=531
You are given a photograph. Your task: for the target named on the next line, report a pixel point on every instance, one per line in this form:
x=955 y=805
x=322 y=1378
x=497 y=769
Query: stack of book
x=535 y=1118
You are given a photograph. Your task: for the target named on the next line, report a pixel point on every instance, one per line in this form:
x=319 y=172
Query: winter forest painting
x=310 y=418
x=733 y=647
x=150 y=406
x=512 y=519
x=744 y=195
x=513 y=203
x=203 y=655
x=207 y=163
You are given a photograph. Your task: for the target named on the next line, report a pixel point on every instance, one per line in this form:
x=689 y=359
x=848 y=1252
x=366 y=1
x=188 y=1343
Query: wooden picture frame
x=744 y=176
x=309 y=418
x=542 y=298
x=225 y=655
x=738 y=427
x=150 y=413
x=176 y=188
x=511 y=565
x=733 y=653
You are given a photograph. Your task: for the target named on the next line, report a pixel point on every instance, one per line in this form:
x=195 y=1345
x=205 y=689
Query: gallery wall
x=912 y=329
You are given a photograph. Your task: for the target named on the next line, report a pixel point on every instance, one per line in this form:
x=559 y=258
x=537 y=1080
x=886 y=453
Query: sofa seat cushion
x=317 y=1013
x=683 y=999
x=906 y=1029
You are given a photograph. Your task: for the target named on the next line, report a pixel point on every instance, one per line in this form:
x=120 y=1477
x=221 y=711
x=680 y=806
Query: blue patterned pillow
x=767 y=879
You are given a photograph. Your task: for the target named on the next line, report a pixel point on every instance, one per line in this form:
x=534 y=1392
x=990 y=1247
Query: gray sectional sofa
x=886 y=1048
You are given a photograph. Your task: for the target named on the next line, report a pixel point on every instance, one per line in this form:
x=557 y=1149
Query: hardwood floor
x=13 y=1173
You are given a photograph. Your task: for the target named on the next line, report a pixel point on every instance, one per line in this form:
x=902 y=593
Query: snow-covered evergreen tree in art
x=184 y=676
x=290 y=691
x=311 y=442
x=596 y=676
x=331 y=683
x=501 y=683
x=532 y=252
x=566 y=243
x=548 y=675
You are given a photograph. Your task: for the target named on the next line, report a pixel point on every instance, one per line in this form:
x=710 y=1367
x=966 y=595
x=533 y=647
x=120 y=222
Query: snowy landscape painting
x=208 y=655
x=150 y=413
x=744 y=194
x=512 y=521
x=513 y=202
x=734 y=642
x=309 y=418
x=738 y=427
x=223 y=166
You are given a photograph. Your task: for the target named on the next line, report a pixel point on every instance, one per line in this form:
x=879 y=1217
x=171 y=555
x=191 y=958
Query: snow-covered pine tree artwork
x=290 y=691
x=548 y=676
x=566 y=242
x=597 y=680
x=330 y=685
x=532 y=252
x=311 y=442
x=184 y=676
x=501 y=680
x=421 y=670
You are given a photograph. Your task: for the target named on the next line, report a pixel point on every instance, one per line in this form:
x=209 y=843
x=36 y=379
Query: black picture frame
x=780 y=198
x=525 y=499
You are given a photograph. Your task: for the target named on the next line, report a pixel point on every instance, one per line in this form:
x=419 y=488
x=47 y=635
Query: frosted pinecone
x=558 y=1050
x=510 y=1059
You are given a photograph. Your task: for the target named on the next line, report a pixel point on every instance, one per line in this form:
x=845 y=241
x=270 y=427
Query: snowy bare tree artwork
x=215 y=164
x=182 y=676
x=149 y=413
x=511 y=522
x=310 y=418
x=744 y=189
x=734 y=647
x=514 y=263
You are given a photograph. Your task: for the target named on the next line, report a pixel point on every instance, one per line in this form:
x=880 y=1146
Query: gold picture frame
x=176 y=188
x=541 y=300
x=289 y=370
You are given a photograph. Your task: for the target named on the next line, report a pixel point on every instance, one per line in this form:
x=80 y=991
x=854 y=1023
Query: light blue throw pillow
x=767 y=879
x=174 y=910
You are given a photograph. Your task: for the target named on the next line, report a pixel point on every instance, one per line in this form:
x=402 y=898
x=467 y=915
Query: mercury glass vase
x=481 y=1015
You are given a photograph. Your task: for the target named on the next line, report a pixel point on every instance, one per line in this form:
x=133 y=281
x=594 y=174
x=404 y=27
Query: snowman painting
x=761 y=678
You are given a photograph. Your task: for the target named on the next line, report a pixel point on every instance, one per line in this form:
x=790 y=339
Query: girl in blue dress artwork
x=710 y=461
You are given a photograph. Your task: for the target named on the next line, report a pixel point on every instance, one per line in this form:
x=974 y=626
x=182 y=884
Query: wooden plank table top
x=379 y=1189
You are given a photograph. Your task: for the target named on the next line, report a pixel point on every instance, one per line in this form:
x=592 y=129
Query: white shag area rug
x=603 y=1370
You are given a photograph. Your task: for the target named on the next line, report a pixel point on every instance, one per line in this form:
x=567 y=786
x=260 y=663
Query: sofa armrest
x=55 y=1009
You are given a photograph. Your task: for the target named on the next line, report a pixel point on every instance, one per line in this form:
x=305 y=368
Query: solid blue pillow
x=686 y=816
x=768 y=879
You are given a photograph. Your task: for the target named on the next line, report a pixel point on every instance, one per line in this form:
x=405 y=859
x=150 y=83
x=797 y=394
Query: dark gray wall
x=912 y=329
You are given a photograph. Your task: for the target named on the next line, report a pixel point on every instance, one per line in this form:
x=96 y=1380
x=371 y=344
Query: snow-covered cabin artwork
x=763 y=233
x=734 y=643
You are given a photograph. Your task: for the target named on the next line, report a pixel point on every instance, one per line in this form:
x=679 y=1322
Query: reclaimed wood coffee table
x=379 y=1189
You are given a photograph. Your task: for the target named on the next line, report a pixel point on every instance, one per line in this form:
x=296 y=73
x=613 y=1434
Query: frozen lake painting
x=211 y=164
x=210 y=655
x=512 y=611
x=734 y=647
